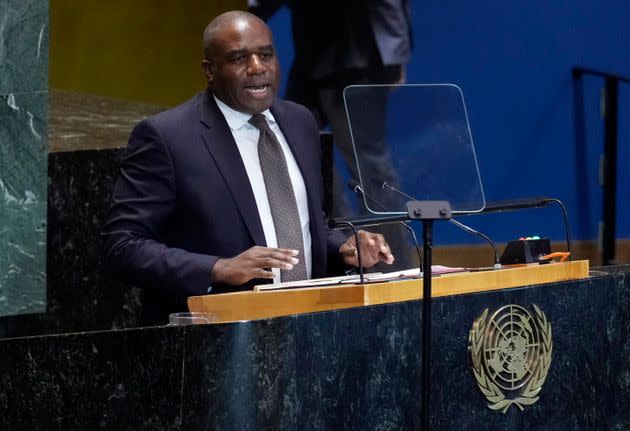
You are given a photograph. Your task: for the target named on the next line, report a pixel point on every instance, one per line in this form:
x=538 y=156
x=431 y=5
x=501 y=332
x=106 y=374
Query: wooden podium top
x=253 y=305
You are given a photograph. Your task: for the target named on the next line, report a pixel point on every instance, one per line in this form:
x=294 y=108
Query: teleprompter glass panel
x=415 y=139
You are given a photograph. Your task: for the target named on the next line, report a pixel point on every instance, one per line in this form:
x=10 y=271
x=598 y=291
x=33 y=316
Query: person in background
x=341 y=43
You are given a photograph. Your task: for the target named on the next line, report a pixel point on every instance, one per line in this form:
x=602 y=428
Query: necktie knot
x=259 y=121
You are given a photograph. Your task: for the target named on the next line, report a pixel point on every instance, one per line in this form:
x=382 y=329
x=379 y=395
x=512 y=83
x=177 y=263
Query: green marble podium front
x=351 y=369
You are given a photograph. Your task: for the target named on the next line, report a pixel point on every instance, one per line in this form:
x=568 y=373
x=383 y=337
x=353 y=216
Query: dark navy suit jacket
x=183 y=198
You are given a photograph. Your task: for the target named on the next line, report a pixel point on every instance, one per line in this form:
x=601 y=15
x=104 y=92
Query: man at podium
x=225 y=191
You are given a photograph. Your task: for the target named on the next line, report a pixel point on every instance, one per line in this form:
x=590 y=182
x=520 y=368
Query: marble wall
x=87 y=135
x=79 y=295
x=23 y=155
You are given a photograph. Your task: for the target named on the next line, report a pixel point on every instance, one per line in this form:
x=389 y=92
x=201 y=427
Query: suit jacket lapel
x=217 y=137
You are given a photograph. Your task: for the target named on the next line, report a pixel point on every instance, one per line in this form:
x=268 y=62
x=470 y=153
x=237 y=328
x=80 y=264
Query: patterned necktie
x=284 y=210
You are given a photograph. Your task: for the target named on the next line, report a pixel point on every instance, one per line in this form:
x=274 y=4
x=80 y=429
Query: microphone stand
x=349 y=224
x=497 y=263
x=427 y=211
x=355 y=186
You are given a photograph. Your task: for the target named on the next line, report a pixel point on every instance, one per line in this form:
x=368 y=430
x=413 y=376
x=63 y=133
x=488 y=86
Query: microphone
x=517 y=204
x=497 y=262
x=356 y=187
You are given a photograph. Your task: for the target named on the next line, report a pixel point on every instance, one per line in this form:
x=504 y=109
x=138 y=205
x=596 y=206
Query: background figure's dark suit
x=183 y=198
x=341 y=43
x=333 y=37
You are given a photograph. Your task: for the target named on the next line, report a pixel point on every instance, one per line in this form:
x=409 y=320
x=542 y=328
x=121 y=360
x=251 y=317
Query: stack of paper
x=354 y=279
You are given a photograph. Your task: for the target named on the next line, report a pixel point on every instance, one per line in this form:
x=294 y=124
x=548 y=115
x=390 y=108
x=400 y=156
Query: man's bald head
x=240 y=62
x=234 y=18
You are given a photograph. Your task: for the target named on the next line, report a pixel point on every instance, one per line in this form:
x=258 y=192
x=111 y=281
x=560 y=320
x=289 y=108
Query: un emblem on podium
x=511 y=355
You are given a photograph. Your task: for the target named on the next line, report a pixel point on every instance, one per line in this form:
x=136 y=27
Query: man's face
x=244 y=71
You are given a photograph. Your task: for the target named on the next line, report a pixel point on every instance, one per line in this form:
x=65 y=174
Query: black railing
x=608 y=173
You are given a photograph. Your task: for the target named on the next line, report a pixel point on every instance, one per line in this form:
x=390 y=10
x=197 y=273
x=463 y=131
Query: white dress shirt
x=246 y=137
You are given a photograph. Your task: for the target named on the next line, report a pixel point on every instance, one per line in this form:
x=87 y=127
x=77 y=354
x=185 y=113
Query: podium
x=252 y=305
x=354 y=367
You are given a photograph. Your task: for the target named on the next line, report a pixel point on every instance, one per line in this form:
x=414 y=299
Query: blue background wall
x=513 y=61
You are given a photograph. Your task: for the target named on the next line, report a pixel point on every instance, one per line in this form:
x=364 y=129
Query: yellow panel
x=142 y=50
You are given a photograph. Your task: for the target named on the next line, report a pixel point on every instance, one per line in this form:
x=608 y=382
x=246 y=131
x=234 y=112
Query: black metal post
x=609 y=159
x=427 y=239
x=581 y=181
x=427 y=211
x=609 y=167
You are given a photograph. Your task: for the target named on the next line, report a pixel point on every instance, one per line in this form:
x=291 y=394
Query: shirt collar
x=237 y=119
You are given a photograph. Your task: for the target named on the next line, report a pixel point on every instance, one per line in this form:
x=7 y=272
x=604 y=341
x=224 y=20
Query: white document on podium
x=355 y=279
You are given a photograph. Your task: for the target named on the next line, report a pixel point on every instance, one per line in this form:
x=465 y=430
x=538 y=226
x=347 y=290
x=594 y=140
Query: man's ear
x=206 y=67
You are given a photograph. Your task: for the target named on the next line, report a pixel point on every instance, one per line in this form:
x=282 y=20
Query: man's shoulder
x=287 y=104
x=177 y=116
x=292 y=110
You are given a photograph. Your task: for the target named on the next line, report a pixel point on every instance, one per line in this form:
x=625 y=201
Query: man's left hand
x=374 y=249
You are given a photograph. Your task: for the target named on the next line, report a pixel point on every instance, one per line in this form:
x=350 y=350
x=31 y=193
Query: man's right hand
x=253 y=263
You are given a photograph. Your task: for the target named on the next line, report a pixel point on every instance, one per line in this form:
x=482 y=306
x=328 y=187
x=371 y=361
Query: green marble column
x=23 y=155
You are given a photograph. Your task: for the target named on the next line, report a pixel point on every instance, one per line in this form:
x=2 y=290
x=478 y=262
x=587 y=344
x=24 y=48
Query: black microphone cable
x=358 y=248
x=356 y=187
x=565 y=217
x=533 y=203
x=497 y=261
